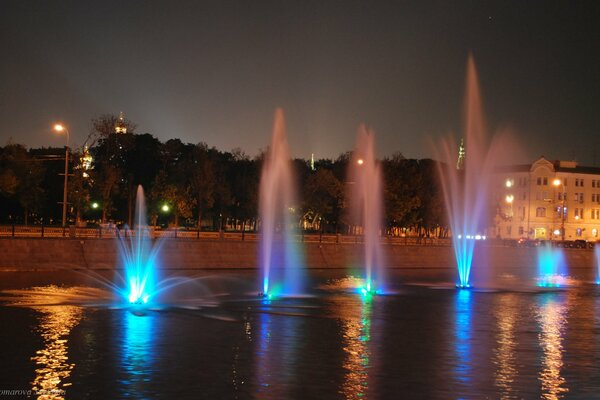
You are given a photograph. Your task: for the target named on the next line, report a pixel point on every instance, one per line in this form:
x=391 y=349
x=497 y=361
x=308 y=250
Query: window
x=508 y=230
x=595 y=232
x=578 y=232
x=595 y=213
x=578 y=213
x=579 y=197
x=540 y=212
x=521 y=230
x=579 y=182
x=539 y=181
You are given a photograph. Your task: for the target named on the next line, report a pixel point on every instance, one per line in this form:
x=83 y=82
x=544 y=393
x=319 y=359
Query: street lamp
x=557 y=182
x=61 y=128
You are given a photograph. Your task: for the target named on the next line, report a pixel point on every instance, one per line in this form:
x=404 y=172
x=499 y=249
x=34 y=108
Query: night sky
x=215 y=71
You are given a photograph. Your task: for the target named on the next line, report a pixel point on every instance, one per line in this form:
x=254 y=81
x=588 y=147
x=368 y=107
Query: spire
x=460 y=164
x=121 y=126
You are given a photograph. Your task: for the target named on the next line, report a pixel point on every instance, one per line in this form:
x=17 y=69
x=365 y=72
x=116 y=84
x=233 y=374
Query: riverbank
x=27 y=254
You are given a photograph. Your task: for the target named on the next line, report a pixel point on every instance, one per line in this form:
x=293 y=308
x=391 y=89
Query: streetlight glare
x=556 y=182
x=95 y=205
x=59 y=127
x=165 y=207
x=360 y=161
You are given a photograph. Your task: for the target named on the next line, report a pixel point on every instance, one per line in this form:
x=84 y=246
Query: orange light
x=59 y=128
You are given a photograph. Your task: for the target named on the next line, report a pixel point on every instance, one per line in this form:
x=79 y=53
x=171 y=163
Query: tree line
x=197 y=186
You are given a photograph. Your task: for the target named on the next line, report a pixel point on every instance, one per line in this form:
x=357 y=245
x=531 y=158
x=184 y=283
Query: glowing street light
x=61 y=128
x=557 y=182
x=360 y=161
x=510 y=198
x=95 y=205
x=165 y=208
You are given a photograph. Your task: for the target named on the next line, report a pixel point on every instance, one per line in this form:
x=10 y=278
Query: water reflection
x=506 y=312
x=52 y=362
x=356 y=324
x=137 y=353
x=278 y=340
x=552 y=318
x=463 y=337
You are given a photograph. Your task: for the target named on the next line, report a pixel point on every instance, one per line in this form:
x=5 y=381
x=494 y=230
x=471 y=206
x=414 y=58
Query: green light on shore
x=95 y=205
x=165 y=208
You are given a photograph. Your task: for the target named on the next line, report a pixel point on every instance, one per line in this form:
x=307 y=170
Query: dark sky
x=215 y=71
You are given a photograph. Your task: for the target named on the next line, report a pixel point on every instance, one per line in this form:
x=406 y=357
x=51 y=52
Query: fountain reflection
x=277 y=355
x=53 y=367
x=137 y=353
x=552 y=318
x=463 y=338
x=356 y=324
x=506 y=311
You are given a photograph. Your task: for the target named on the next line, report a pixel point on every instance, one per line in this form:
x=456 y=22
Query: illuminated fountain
x=551 y=266
x=365 y=186
x=466 y=183
x=139 y=257
x=279 y=258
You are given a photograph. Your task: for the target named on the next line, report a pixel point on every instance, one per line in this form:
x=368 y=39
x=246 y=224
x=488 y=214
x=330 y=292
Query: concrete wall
x=36 y=254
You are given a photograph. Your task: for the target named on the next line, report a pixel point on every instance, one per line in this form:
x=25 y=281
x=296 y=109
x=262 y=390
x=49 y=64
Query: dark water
x=420 y=342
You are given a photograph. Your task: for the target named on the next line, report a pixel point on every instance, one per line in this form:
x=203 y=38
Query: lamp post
x=61 y=128
x=557 y=182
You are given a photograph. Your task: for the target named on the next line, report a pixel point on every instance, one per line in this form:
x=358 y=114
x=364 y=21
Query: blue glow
x=137 y=354
x=463 y=336
x=463 y=251
x=551 y=266
x=139 y=257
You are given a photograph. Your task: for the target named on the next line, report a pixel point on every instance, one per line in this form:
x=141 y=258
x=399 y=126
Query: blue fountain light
x=139 y=257
x=551 y=266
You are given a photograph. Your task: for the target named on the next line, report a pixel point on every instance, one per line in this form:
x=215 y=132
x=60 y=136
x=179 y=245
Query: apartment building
x=547 y=200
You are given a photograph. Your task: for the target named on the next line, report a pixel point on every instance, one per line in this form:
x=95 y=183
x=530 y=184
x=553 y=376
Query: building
x=547 y=200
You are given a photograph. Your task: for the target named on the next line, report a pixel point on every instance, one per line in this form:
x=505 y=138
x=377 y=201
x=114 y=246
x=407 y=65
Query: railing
x=15 y=231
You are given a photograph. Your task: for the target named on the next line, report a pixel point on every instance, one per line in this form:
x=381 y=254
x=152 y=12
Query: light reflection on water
x=356 y=323
x=52 y=362
x=137 y=353
x=276 y=357
x=551 y=315
x=506 y=312
x=463 y=337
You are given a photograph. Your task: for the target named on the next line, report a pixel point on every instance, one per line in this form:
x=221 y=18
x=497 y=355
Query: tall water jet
x=466 y=173
x=364 y=178
x=279 y=258
x=139 y=257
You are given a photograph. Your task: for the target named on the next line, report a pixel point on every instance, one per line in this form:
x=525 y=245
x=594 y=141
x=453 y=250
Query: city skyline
x=214 y=73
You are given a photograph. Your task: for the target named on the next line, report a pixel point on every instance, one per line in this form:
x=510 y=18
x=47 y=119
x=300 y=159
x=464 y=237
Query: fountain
x=279 y=259
x=551 y=266
x=466 y=183
x=364 y=178
x=139 y=257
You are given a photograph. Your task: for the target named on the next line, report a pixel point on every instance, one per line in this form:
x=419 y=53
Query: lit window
x=540 y=212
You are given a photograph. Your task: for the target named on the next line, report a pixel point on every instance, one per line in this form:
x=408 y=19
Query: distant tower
x=312 y=161
x=120 y=126
x=460 y=164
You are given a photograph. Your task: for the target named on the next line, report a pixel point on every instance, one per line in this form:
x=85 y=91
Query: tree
x=323 y=196
x=22 y=178
x=202 y=180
